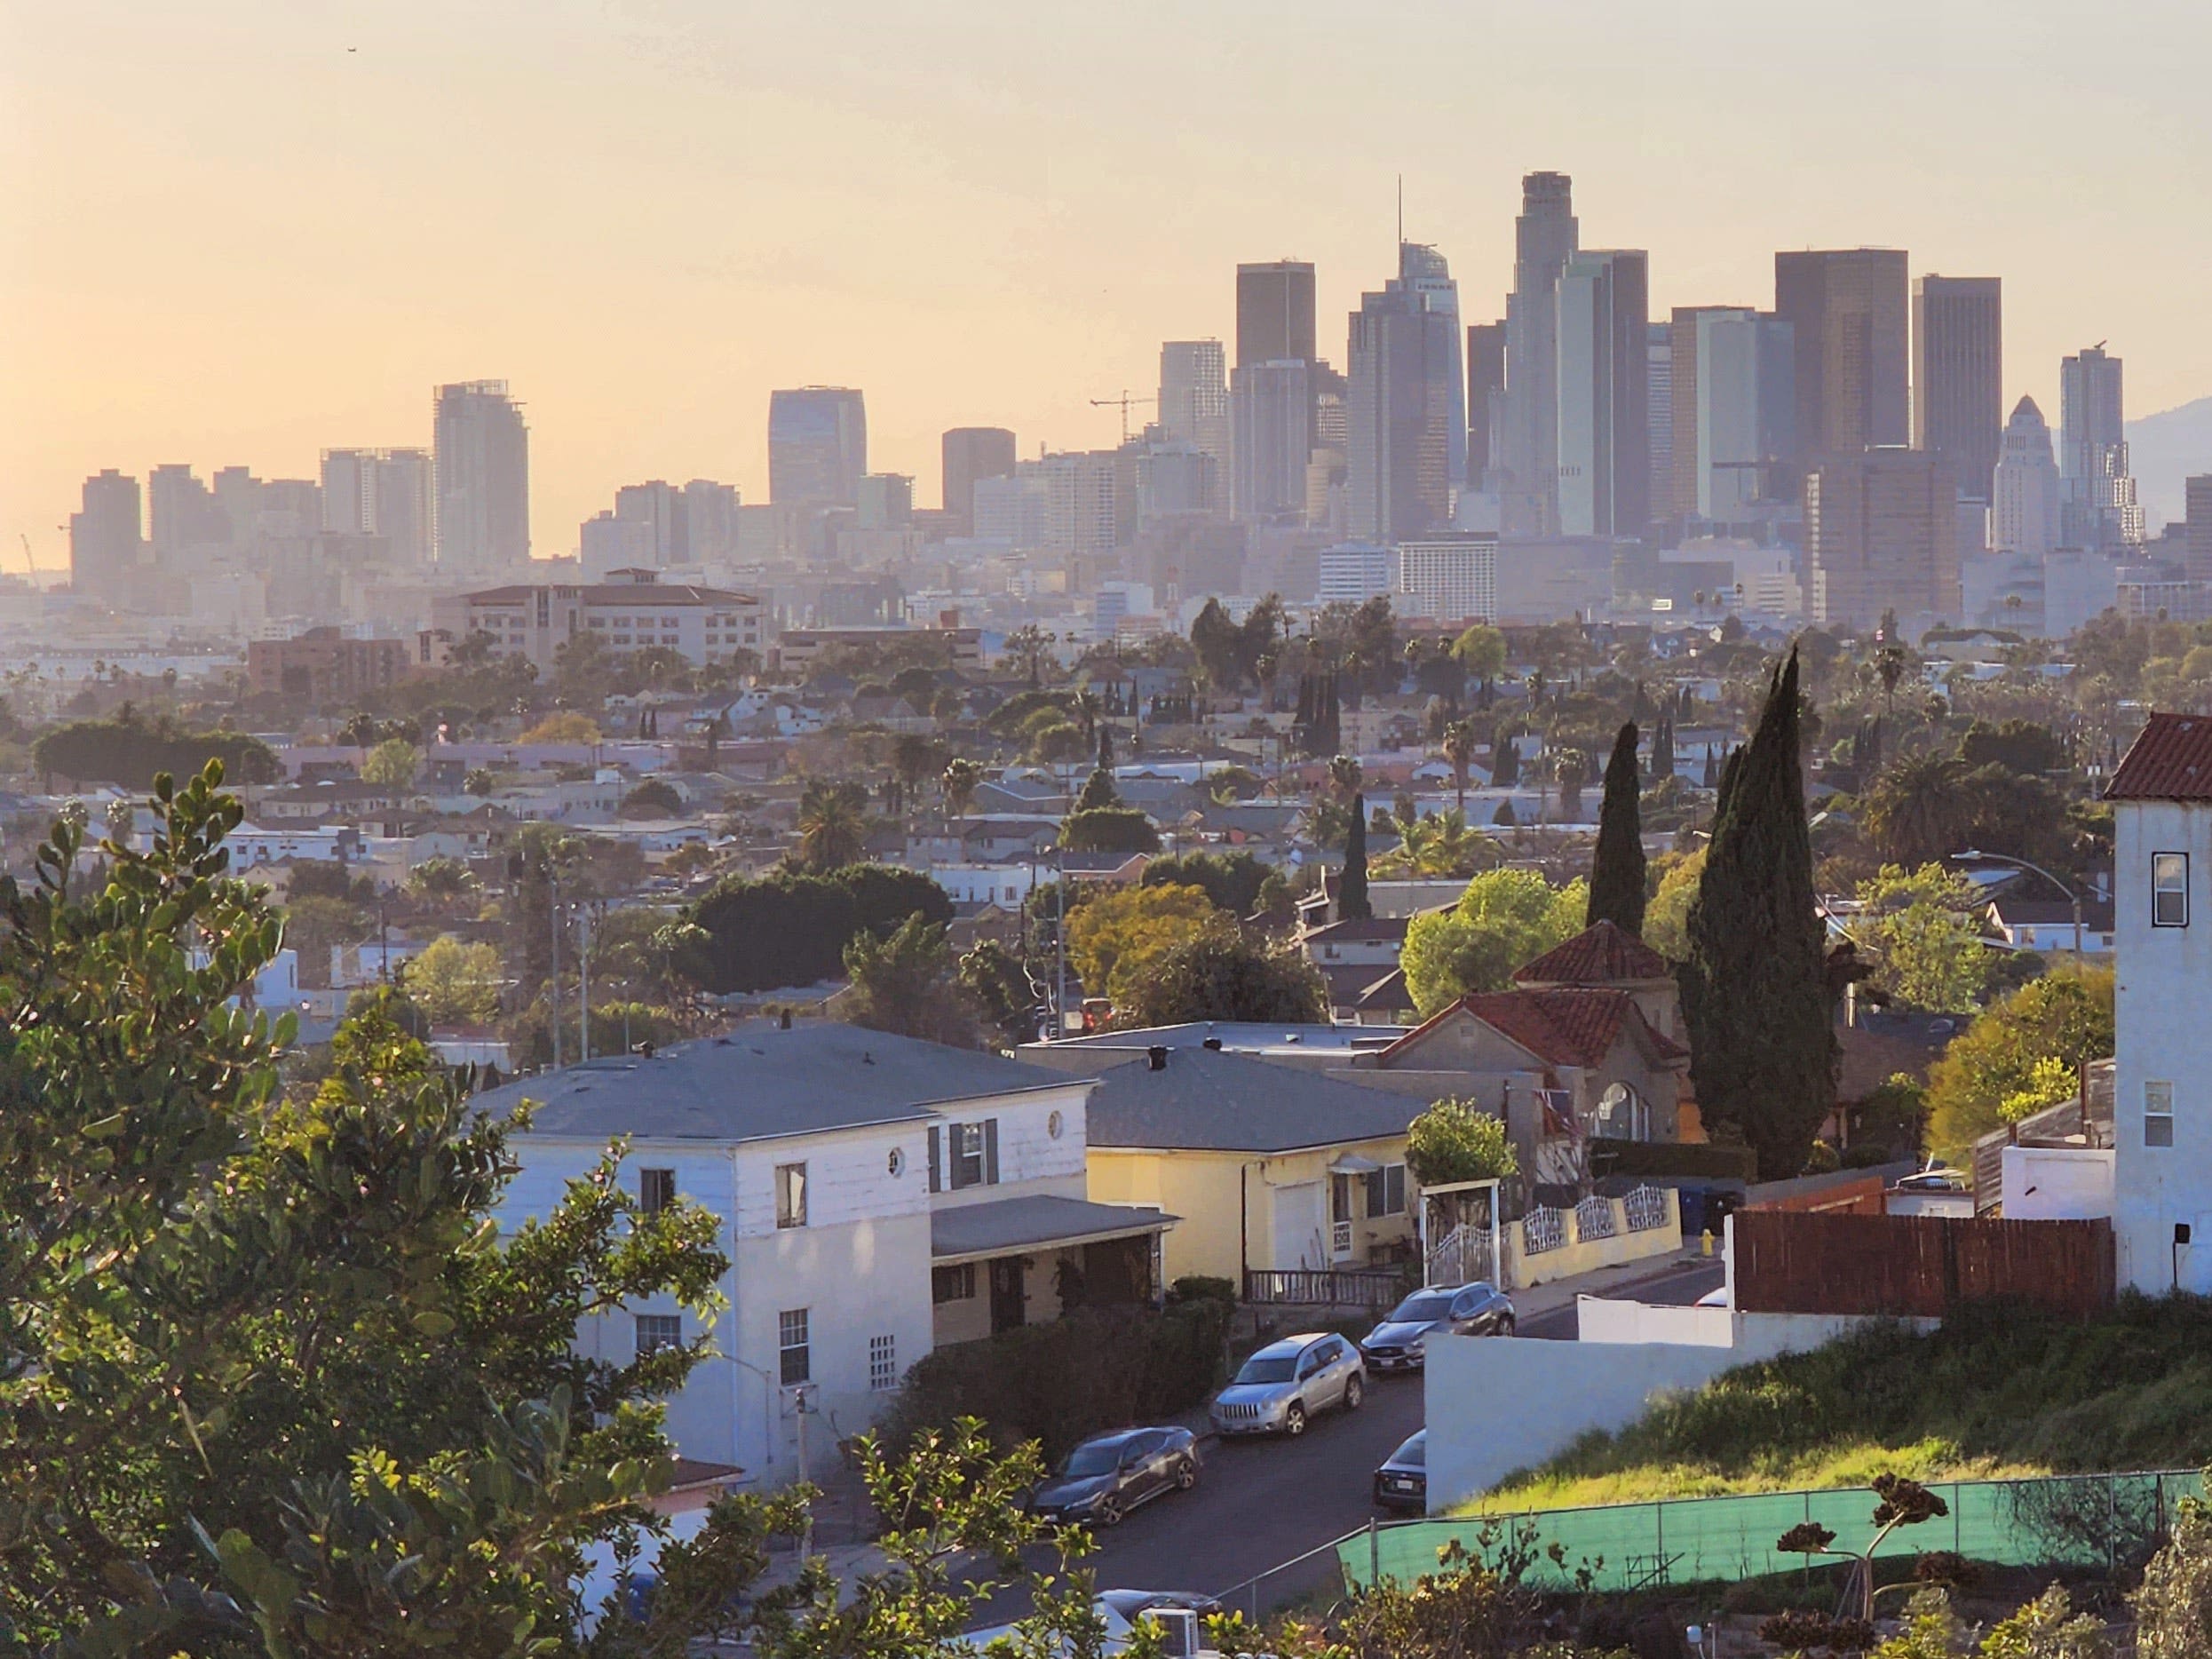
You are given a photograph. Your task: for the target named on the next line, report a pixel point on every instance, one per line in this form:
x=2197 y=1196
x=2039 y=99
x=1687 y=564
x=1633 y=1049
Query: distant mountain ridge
x=2165 y=448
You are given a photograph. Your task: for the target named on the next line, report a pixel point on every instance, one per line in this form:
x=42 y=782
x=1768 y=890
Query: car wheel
x=1354 y=1390
x=1185 y=1475
x=1505 y=1325
x=1109 y=1512
x=1294 y=1419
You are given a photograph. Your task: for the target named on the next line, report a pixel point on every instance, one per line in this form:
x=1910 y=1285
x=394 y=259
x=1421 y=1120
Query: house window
x=952 y=1284
x=1386 y=1190
x=659 y=1331
x=795 y=1366
x=883 y=1363
x=2158 y=1113
x=656 y=1190
x=974 y=1154
x=2170 y=889
x=790 y=1194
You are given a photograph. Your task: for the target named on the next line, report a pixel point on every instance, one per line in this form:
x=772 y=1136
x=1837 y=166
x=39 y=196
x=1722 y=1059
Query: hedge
x=1058 y=1383
x=1704 y=1160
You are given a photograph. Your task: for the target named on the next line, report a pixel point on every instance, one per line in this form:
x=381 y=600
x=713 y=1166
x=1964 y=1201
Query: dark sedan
x=1402 y=1482
x=1107 y=1476
x=1400 y=1342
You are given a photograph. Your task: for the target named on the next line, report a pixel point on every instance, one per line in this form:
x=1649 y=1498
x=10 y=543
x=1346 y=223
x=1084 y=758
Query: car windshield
x=1422 y=1305
x=1265 y=1368
x=1095 y=1457
x=1413 y=1454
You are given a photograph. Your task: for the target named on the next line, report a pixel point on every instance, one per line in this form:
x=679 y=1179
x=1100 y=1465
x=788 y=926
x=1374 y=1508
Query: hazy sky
x=240 y=232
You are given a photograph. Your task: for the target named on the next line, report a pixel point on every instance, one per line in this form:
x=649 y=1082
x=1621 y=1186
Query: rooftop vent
x=1156 y=1056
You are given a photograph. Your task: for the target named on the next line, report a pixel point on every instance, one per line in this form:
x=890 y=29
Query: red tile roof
x=1567 y=1026
x=2170 y=760
x=1601 y=954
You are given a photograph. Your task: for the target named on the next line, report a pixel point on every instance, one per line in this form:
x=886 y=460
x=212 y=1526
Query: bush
x=1706 y=1161
x=1456 y=1140
x=1198 y=1287
x=1097 y=1368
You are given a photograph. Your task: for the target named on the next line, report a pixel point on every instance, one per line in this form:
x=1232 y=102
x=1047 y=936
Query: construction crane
x=1121 y=403
x=30 y=559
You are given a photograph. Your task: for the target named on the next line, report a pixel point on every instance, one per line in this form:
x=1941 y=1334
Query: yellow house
x=1269 y=1166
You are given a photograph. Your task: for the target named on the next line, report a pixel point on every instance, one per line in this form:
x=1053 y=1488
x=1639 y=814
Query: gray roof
x=1011 y=1224
x=1236 y=1036
x=1203 y=1099
x=759 y=1083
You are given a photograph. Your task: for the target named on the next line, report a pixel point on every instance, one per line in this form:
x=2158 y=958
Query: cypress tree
x=1616 y=877
x=1710 y=777
x=1106 y=746
x=1505 y=760
x=1352 y=904
x=1754 y=990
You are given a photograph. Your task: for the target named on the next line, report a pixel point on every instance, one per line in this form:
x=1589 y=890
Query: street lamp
x=1978 y=855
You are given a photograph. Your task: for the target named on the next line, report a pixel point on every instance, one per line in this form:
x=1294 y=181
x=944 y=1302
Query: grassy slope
x=1997 y=1391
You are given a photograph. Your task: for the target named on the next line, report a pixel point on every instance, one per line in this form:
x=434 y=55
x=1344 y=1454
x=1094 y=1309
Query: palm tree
x=1414 y=852
x=1459 y=749
x=963 y=777
x=1570 y=770
x=832 y=825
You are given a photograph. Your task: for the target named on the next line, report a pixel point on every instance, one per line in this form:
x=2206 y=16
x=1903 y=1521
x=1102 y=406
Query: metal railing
x=1542 y=1229
x=1645 y=1208
x=1593 y=1219
x=1351 y=1286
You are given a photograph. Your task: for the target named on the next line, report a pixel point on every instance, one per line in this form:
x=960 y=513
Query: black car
x=1399 y=1343
x=1402 y=1482
x=1107 y=1476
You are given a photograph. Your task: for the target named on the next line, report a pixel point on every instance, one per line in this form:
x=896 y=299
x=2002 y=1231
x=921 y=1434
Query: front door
x=1009 y=1300
x=1301 y=1218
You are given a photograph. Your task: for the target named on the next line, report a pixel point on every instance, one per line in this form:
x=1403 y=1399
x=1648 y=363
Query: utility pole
x=1060 y=943
x=584 y=981
x=552 y=923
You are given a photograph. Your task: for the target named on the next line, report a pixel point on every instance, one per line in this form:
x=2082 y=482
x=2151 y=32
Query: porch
x=1023 y=1261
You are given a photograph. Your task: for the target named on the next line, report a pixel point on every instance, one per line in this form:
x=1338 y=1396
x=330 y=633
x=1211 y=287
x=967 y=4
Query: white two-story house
x=2162 y=1206
x=876 y=1195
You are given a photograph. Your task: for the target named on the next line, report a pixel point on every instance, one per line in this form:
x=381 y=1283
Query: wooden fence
x=1916 y=1265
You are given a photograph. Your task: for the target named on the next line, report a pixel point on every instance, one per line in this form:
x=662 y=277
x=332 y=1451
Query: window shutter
x=937 y=1159
x=990 y=1152
x=956 y=1147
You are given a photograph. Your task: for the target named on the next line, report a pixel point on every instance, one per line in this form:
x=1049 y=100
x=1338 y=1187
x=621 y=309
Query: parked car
x=1400 y=1342
x=1178 y=1614
x=1283 y=1386
x=1402 y=1482
x=1108 y=1475
x=1130 y=1603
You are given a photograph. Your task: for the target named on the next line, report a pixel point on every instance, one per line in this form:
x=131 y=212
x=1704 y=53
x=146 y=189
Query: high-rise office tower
x=2197 y=526
x=1276 y=313
x=817 y=447
x=1486 y=394
x=1271 y=417
x=971 y=453
x=1851 y=311
x=1735 y=412
x=2099 y=509
x=482 y=462
x=659 y=505
x=1426 y=273
x=1195 y=397
x=710 y=521
x=1882 y=534
x=349 y=491
x=1958 y=374
x=184 y=514
x=1659 y=416
x=1398 y=420
x=104 y=537
x=2024 y=499
x=1082 y=501
x=380 y=492
x=1544 y=238
x=886 y=501
x=1604 y=442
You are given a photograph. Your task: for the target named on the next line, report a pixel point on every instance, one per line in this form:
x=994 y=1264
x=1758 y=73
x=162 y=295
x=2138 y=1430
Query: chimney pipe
x=1157 y=1057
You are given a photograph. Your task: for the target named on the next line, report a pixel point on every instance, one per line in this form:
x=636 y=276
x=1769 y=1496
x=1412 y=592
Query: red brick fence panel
x=1916 y=1265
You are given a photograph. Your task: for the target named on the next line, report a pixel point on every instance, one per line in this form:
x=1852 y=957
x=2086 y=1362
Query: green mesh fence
x=2101 y=1521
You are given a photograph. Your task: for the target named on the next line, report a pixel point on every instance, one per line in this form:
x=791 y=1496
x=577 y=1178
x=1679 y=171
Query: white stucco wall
x=1599 y=1318
x=2165 y=990
x=2057 y=1183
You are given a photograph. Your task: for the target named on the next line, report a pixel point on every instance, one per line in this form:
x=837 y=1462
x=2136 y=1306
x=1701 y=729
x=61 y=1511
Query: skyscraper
x=1604 y=441
x=1544 y=237
x=1403 y=404
x=183 y=514
x=1850 y=309
x=482 y=463
x=1276 y=313
x=1271 y=415
x=104 y=537
x=710 y=521
x=971 y=453
x=1425 y=272
x=1659 y=416
x=1486 y=395
x=2197 y=526
x=817 y=447
x=2024 y=499
x=1195 y=397
x=2098 y=507
x=1958 y=374
x=1735 y=406
x=380 y=492
x=659 y=505
x=1882 y=534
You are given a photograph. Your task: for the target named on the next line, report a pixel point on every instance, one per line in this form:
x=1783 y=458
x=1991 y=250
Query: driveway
x=1679 y=1287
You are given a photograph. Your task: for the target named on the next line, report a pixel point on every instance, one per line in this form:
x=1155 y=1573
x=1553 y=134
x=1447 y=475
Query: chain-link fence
x=2097 y=1521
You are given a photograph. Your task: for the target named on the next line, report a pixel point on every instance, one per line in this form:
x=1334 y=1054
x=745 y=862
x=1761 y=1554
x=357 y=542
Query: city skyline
x=633 y=367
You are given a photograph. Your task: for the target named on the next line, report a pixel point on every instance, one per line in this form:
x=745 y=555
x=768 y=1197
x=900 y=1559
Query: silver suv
x=1283 y=1386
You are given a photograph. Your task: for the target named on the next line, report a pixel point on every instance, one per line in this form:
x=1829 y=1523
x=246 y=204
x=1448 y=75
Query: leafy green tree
x=651 y=798
x=792 y=929
x=441 y=881
x=395 y=762
x=1755 y=994
x=1921 y=927
x=1109 y=829
x=1506 y=917
x=1221 y=975
x=1456 y=1140
x=455 y=982
x=962 y=778
x=1000 y=985
x=2172 y=1609
x=1481 y=651
x=1232 y=880
x=2065 y=1017
x=1115 y=937
x=909 y=984
x=128 y=750
x=1616 y=877
x=1666 y=918
x=1352 y=903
